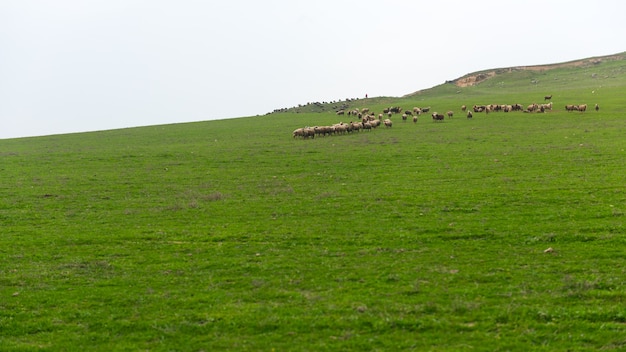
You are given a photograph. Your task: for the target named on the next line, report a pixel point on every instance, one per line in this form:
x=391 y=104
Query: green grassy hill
x=501 y=232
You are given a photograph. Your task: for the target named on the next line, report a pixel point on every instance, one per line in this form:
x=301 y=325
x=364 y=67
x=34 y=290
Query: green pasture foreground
x=500 y=233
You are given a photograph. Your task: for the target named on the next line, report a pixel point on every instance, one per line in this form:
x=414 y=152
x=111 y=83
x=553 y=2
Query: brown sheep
x=450 y=114
x=357 y=126
x=388 y=123
x=298 y=132
x=437 y=116
x=309 y=132
x=597 y=107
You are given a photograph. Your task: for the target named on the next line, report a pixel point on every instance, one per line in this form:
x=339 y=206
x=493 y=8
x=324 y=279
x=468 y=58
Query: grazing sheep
x=415 y=119
x=320 y=130
x=404 y=117
x=463 y=108
x=469 y=115
x=304 y=132
x=582 y=107
x=450 y=114
x=547 y=97
x=597 y=107
x=299 y=132
x=357 y=126
x=387 y=123
x=437 y=116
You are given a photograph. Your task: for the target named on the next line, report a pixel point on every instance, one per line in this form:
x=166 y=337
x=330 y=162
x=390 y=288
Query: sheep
x=309 y=132
x=340 y=128
x=450 y=114
x=387 y=123
x=437 y=116
x=299 y=132
x=357 y=126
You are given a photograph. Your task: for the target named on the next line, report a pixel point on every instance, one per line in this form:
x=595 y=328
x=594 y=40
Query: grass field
x=232 y=235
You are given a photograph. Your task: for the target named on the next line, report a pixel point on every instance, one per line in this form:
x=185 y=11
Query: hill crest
x=475 y=78
x=480 y=76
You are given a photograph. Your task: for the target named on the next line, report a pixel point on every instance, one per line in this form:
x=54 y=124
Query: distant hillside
x=476 y=78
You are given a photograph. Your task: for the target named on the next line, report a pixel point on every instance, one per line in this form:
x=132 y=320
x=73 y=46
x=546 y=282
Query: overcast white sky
x=85 y=65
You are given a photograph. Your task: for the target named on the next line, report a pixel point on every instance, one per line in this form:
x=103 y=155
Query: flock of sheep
x=368 y=120
x=367 y=123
